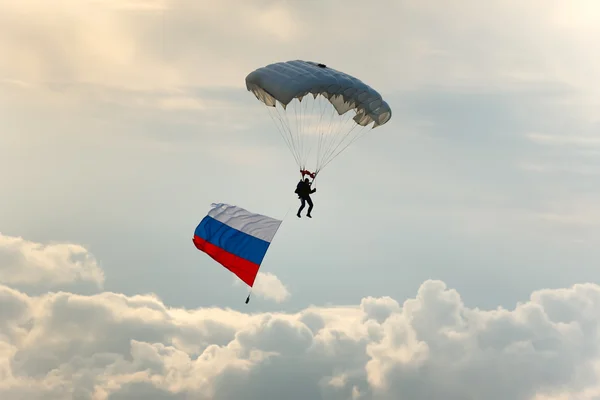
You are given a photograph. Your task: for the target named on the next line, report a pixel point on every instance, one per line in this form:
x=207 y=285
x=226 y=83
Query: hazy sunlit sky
x=122 y=121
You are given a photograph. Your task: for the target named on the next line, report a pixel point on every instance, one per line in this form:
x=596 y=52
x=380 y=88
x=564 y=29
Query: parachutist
x=304 y=190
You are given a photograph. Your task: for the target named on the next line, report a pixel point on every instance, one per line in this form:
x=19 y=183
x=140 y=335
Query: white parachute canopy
x=317 y=128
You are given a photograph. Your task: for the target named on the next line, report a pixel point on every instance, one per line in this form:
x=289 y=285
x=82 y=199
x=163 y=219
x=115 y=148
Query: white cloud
x=432 y=346
x=268 y=286
x=48 y=266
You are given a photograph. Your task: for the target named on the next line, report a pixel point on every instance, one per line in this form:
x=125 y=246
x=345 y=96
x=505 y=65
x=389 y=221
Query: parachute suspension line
x=285 y=131
x=295 y=138
x=298 y=131
x=332 y=149
x=298 y=114
x=326 y=136
x=303 y=157
x=332 y=141
x=306 y=129
x=281 y=127
x=356 y=137
x=326 y=133
x=331 y=136
x=302 y=127
x=310 y=128
x=319 y=130
x=298 y=136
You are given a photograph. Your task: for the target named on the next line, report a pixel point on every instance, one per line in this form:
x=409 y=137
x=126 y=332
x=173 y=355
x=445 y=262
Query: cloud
x=268 y=286
x=46 y=266
x=110 y=345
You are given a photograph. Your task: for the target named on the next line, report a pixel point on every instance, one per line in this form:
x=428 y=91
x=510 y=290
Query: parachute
x=317 y=130
x=236 y=238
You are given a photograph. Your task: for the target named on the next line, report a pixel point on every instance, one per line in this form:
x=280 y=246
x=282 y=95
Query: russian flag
x=236 y=238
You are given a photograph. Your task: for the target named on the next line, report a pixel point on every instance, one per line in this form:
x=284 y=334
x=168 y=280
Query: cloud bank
x=111 y=346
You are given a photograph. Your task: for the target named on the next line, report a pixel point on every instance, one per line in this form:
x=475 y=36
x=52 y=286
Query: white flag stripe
x=257 y=225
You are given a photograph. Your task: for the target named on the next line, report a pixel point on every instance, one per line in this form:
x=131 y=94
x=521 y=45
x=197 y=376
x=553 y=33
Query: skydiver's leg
x=310 y=206
x=301 y=206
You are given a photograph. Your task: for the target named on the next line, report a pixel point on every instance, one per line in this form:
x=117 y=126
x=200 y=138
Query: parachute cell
x=236 y=238
x=285 y=85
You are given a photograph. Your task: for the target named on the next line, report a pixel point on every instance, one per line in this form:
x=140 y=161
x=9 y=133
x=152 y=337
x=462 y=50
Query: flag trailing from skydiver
x=236 y=238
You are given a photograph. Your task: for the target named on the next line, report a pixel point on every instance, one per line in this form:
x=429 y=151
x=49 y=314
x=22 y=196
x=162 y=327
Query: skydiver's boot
x=308 y=215
x=298 y=214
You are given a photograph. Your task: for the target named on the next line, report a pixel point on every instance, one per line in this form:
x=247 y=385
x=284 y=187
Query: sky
x=451 y=254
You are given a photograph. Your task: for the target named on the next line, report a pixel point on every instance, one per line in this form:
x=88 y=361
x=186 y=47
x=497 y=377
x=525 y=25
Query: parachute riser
x=313 y=175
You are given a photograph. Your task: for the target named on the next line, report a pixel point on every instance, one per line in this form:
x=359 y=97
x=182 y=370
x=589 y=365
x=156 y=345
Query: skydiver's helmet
x=306 y=180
